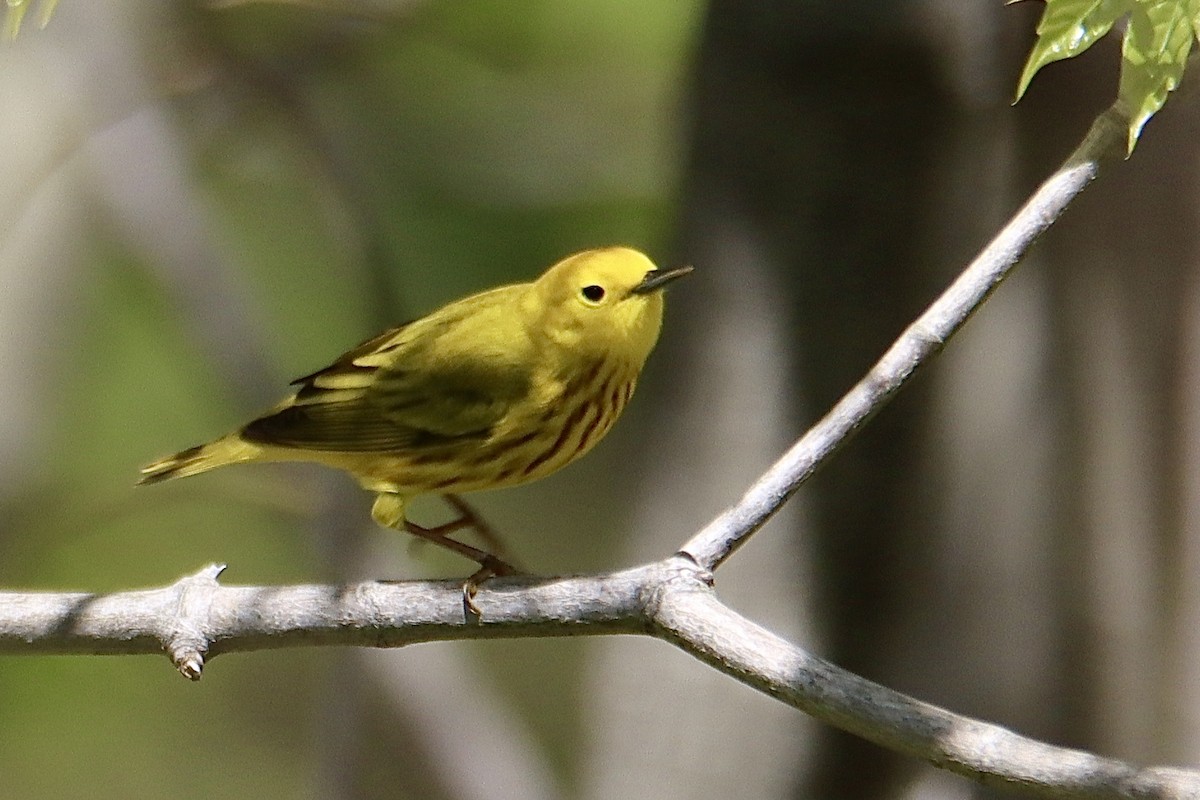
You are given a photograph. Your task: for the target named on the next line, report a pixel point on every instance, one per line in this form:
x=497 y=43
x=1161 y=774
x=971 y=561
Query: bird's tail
x=202 y=458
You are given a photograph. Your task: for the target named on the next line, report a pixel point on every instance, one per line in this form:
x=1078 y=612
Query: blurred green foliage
x=356 y=171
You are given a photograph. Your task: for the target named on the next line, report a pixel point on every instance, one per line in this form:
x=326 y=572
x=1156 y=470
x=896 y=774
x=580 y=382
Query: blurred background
x=202 y=201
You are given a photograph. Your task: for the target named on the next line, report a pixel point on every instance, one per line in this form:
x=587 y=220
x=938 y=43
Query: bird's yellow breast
x=566 y=419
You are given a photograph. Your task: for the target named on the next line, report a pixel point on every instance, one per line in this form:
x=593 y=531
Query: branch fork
x=673 y=599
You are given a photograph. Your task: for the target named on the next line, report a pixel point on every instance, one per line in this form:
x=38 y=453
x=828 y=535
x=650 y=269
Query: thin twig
x=916 y=346
x=697 y=622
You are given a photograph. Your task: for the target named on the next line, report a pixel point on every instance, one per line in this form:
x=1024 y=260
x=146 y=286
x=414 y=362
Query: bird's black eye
x=593 y=293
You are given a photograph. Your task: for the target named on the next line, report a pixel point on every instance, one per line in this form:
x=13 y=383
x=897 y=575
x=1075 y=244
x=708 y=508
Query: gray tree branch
x=922 y=340
x=197 y=618
x=673 y=600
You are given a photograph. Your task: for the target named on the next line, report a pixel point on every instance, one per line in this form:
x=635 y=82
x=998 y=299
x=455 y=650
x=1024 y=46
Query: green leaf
x=12 y=18
x=1153 y=55
x=16 y=13
x=45 y=11
x=1067 y=28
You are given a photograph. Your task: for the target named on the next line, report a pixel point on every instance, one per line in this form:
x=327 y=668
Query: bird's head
x=607 y=300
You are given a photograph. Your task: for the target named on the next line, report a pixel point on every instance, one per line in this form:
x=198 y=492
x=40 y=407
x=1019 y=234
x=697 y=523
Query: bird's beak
x=657 y=278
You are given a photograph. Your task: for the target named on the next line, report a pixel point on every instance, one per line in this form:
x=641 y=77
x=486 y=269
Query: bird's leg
x=388 y=511
x=488 y=563
x=468 y=517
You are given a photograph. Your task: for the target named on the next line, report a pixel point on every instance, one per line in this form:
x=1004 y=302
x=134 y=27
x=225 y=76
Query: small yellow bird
x=494 y=390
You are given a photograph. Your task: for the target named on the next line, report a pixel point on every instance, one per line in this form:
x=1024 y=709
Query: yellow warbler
x=496 y=389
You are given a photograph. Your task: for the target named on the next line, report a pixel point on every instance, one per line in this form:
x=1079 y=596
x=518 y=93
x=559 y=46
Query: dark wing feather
x=345 y=361
x=398 y=391
x=334 y=427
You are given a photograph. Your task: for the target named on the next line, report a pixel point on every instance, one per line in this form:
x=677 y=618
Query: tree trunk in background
x=1006 y=538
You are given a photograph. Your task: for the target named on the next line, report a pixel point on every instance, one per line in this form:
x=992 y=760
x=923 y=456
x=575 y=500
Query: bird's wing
x=409 y=388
